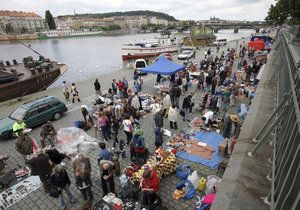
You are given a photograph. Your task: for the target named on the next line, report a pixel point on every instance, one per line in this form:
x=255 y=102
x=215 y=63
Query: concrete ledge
x=244 y=184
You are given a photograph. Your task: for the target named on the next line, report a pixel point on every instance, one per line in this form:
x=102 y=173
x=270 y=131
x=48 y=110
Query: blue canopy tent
x=163 y=66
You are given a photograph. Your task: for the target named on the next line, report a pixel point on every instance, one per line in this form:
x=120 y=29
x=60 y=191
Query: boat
x=67 y=33
x=150 y=48
x=31 y=76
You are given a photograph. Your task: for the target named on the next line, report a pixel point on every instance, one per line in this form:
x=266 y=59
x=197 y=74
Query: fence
x=285 y=122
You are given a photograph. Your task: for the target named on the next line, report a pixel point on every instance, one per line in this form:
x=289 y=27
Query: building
x=157 y=21
x=21 y=21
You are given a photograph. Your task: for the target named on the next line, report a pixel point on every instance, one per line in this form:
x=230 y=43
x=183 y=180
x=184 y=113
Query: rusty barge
x=30 y=76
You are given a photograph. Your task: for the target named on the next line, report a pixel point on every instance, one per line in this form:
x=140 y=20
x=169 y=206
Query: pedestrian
x=107 y=177
x=158 y=78
x=40 y=166
x=74 y=93
x=82 y=173
x=104 y=154
x=66 y=91
x=115 y=130
x=166 y=104
x=61 y=180
x=103 y=122
x=159 y=118
x=158 y=136
x=186 y=106
x=128 y=128
x=149 y=185
x=120 y=87
x=214 y=85
x=154 y=107
x=55 y=156
x=208 y=81
x=97 y=88
x=19 y=127
x=207 y=118
x=115 y=160
x=177 y=96
x=48 y=134
x=114 y=86
x=85 y=113
x=173 y=116
x=24 y=145
x=125 y=87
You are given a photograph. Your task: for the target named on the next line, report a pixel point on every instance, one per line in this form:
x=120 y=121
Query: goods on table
x=163 y=162
x=197 y=123
x=189 y=145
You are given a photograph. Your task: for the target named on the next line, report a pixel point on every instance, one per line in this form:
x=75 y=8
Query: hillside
x=128 y=13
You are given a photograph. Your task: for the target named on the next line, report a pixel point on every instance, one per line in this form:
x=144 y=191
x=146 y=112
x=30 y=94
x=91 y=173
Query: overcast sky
x=180 y=9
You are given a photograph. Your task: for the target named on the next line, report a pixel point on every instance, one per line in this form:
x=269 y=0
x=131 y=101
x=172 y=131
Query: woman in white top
x=173 y=116
x=128 y=129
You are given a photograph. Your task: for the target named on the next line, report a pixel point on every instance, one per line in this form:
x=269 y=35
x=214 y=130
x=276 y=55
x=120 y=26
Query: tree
x=50 y=20
x=284 y=11
x=9 y=29
x=24 y=30
x=144 y=27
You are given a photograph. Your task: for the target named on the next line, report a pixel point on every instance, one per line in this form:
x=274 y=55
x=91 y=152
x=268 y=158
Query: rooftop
x=8 y=13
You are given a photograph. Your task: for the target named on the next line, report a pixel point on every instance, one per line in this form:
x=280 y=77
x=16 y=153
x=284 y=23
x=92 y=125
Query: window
x=44 y=107
x=32 y=112
x=54 y=103
x=18 y=114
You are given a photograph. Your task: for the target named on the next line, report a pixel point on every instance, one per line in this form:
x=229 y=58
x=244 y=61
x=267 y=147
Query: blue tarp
x=163 y=66
x=213 y=139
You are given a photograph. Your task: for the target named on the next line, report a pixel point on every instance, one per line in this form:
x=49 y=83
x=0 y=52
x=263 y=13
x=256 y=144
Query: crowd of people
x=120 y=107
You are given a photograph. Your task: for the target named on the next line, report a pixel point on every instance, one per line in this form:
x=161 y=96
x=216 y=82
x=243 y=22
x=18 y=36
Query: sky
x=180 y=9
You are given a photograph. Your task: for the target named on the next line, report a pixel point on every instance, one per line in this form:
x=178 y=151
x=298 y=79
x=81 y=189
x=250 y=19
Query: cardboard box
x=222 y=147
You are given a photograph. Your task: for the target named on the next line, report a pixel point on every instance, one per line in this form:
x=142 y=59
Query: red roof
x=18 y=14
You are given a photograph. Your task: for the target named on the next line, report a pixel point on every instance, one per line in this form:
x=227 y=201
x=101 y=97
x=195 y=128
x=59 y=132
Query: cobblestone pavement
x=39 y=200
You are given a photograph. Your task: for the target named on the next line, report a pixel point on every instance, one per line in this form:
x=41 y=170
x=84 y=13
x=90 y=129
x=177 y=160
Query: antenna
x=28 y=46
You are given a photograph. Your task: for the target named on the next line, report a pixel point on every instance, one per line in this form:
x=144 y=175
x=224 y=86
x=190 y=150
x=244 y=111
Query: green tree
x=50 y=20
x=9 y=29
x=24 y=30
x=284 y=11
x=144 y=27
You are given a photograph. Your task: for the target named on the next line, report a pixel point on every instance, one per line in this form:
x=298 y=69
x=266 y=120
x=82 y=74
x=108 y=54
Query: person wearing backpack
x=61 y=181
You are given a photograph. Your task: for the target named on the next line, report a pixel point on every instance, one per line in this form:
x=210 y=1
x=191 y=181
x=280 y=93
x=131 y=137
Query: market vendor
x=18 y=127
x=149 y=185
x=207 y=118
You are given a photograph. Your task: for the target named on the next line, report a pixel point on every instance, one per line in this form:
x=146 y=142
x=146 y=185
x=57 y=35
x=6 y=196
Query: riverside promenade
x=39 y=200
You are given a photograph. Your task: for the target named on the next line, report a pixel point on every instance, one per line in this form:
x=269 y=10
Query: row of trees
x=284 y=11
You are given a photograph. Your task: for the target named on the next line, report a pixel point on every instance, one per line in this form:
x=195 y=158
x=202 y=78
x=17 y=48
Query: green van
x=33 y=113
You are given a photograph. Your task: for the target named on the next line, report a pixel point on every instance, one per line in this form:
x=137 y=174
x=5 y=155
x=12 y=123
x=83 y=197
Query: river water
x=87 y=56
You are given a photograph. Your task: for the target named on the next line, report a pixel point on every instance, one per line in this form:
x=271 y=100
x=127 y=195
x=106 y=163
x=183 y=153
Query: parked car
x=138 y=64
x=220 y=42
x=33 y=113
x=186 y=54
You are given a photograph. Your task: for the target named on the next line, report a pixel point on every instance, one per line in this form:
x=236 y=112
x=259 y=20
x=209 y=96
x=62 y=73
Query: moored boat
x=66 y=33
x=150 y=48
x=31 y=76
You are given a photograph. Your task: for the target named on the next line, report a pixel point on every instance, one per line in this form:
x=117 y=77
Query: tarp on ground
x=163 y=66
x=257 y=44
x=213 y=139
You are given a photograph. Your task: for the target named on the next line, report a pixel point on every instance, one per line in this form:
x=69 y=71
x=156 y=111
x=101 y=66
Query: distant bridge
x=235 y=26
x=218 y=26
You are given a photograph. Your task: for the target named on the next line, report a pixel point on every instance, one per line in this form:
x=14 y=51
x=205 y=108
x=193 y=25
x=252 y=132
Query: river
x=87 y=56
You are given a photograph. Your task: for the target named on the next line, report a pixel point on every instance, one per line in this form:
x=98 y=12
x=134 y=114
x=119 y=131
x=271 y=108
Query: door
x=45 y=113
x=32 y=117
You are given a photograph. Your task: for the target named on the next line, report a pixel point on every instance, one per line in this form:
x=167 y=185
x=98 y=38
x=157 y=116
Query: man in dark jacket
x=158 y=118
x=48 y=133
x=208 y=81
x=40 y=166
x=61 y=180
x=82 y=172
x=97 y=88
x=186 y=106
x=24 y=145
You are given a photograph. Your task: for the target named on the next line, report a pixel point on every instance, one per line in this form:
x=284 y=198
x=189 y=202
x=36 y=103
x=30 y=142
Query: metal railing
x=285 y=123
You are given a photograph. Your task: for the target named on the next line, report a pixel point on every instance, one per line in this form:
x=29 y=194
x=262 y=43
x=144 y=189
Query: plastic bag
x=194 y=179
x=191 y=191
x=123 y=180
x=208 y=199
x=212 y=184
x=73 y=141
x=183 y=171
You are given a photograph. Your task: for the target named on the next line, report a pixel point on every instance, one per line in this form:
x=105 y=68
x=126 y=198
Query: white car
x=186 y=54
x=220 y=42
